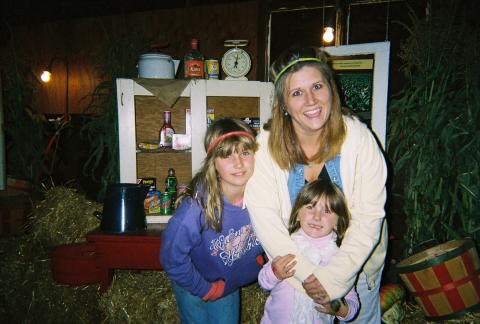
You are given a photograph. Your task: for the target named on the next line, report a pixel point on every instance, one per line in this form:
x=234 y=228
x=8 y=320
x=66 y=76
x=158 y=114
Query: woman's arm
x=268 y=203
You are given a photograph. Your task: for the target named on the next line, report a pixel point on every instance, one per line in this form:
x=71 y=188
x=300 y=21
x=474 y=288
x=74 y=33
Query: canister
x=212 y=69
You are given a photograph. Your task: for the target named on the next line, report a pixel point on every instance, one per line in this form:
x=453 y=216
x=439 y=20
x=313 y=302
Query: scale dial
x=236 y=63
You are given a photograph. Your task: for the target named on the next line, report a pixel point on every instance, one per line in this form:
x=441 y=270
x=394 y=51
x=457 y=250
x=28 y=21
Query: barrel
x=75 y=264
x=15 y=207
x=444 y=279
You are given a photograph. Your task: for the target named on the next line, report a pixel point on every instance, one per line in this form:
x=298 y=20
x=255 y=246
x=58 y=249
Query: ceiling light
x=328 y=34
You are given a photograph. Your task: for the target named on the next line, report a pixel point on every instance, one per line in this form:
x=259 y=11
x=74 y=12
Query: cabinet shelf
x=140 y=118
x=158 y=219
x=163 y=150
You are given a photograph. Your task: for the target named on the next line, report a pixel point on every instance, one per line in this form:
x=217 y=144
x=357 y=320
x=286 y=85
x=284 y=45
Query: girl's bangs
x=234 y=144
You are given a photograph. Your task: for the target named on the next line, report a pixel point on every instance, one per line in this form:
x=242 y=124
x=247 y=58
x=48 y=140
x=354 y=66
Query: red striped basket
x=444 y=279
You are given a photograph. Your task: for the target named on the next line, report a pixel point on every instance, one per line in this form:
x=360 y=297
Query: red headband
x=226 y=135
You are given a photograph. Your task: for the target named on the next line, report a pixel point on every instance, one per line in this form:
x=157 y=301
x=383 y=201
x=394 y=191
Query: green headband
x=289 y=65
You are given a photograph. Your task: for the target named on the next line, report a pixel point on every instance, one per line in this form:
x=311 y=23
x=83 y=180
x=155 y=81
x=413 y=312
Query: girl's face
x=317 y=220
x=235 y=170
x=308 y=100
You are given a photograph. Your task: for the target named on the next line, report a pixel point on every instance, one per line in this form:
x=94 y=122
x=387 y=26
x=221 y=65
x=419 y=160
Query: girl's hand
x=282 y=266
x=315 y=290
x=216 y=291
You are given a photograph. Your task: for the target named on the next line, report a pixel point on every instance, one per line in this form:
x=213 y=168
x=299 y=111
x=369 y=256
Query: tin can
x=165 y=203
x=212 y=69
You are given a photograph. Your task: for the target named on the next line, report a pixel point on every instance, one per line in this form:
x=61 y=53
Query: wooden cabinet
x=140 y=116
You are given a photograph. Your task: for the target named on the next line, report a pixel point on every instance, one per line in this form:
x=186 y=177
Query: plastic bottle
x=167 y=131
x=171 y=185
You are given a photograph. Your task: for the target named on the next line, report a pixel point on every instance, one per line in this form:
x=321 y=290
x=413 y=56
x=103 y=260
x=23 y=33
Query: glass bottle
x=193 y=62
x=167 y=131
x=171 y=185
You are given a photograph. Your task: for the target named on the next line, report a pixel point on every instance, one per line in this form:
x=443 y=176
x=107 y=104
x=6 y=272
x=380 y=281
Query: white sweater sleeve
x=267 y=201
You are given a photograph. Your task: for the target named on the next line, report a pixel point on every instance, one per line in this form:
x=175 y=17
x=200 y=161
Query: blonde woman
x=308 y=137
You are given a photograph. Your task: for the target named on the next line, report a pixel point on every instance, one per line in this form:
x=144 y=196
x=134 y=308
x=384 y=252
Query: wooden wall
x=77 y=40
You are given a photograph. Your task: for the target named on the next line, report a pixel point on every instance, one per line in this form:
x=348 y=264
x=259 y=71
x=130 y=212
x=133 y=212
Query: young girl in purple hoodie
x=209 y=249
x=317 y=225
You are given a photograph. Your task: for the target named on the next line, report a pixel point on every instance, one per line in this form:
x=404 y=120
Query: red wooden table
x=139 y=250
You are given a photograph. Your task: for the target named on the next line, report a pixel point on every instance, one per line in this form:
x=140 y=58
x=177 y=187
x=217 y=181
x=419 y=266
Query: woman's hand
x=336 y=307
x=282 y=266
x=315 y=290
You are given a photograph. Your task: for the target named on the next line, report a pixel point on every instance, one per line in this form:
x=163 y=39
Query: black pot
x=123 y=209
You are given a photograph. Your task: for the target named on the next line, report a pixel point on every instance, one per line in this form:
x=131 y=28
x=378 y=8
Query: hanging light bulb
x=328 y=34
x=46 y=76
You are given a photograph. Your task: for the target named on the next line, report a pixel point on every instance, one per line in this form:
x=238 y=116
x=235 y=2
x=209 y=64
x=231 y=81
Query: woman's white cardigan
x=363 y=172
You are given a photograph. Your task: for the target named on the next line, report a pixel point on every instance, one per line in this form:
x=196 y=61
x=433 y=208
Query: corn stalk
x=117 y=58
x=433 y=128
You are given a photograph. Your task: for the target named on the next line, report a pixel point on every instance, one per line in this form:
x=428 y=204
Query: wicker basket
x=444 y=279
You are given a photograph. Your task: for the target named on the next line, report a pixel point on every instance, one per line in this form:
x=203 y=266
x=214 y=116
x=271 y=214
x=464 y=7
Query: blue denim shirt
x=296 y=177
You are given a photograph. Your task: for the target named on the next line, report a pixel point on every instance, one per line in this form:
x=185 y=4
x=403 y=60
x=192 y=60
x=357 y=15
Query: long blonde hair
x=205 y=187
x=283 y=143
x=312 y=193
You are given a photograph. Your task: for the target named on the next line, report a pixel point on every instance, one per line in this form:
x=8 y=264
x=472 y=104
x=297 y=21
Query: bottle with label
x=210 y=116
x=171 y=185
x=167 y=131
x=193 y=62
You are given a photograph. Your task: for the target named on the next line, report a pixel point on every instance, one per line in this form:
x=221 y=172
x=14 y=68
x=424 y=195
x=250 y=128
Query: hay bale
x=253 y=300
x=27 y=290
x=139 y=297
x=147 y=297
x=63 y=217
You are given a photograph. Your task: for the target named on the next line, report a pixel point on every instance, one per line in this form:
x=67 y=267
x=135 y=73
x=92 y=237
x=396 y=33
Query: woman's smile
x=313 y=113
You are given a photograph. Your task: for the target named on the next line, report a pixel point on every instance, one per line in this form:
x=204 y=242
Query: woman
x=308 y=137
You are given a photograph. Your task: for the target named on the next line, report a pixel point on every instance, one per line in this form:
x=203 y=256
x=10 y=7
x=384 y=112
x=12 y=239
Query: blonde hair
x=205 y=187
x=283 y=142
x=312 y=193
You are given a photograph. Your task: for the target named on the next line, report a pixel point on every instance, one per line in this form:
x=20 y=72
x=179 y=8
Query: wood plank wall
x=78 y=39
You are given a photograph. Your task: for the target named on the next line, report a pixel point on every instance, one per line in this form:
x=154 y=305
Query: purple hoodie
x=194 y=256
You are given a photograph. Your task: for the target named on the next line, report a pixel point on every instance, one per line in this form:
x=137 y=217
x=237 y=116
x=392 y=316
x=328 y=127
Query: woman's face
x=308 y=100
x=317 y=220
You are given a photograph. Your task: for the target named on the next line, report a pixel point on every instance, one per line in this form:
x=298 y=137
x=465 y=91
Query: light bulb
x=328 y=34
x=46 y=76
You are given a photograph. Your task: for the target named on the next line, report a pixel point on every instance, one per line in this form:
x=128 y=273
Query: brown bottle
x=193 y=62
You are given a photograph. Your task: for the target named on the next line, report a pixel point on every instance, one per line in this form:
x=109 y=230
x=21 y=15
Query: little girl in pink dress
x=317 y=224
